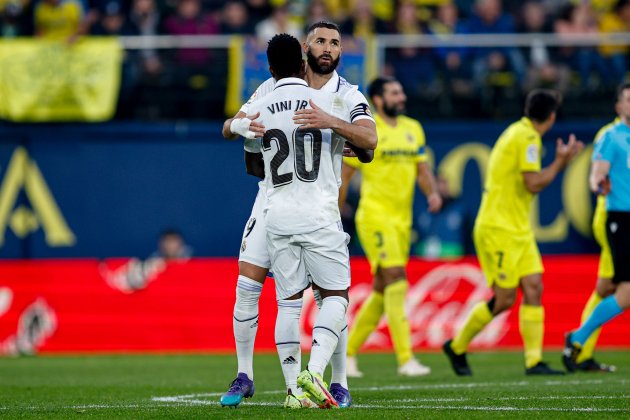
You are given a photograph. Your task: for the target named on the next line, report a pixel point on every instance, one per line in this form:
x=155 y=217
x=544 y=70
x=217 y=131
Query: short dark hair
x=621 y=88
x=170 y=231
x=377 y=87
x=323 y=24
x=541 y=103
x=284 y=55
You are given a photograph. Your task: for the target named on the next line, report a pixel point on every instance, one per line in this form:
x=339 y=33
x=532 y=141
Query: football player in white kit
x=323 y=50
x=304 y=231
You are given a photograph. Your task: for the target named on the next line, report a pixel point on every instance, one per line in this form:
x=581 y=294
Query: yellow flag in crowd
x=53 y=81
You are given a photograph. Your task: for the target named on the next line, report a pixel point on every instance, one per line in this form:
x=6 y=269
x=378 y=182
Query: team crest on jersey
x=244 y=245
x=410 y=138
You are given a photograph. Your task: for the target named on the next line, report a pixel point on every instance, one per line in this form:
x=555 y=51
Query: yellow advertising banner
x=54 y=81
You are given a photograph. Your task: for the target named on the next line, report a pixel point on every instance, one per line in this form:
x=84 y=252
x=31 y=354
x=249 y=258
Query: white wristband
x=240 y=126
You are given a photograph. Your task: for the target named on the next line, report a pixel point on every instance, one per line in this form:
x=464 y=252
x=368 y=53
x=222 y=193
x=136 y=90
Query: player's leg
x=603 y=289
x=497 y=256
x=394 y=295
x=339 y=380
x=365 y=322
x=254 y=266
x=290 y=280
x=326 y=258
x=531 y=312
x=618 y=234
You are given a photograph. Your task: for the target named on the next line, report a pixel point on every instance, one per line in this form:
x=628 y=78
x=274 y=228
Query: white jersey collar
x=333 y=84
x=289 y=81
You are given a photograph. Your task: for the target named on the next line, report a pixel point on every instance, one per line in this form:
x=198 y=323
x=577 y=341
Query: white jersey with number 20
x=302 y=166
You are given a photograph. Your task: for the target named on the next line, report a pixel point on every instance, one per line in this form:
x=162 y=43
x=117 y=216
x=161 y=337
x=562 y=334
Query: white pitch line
x=429 y=386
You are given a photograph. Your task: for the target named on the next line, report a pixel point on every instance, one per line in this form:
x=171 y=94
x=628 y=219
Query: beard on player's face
x=326 y=68
x=393 y=109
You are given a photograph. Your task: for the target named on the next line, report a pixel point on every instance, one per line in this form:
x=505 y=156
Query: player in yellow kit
x=604 y=287
x=384 y=217
x=504 y=239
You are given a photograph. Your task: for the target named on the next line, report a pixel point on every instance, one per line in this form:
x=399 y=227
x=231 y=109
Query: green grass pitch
x=189 y=386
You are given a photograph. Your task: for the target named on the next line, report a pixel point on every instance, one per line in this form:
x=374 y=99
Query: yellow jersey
x=506 y=202
x=58 y=21
x=388 y=183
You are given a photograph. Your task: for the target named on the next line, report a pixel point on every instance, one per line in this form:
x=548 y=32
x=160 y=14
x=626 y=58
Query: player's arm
x=243 y=125
x=598 y=179
x=255 y=164
x=536 y=181
x=347 y=172
x=361 y=133
x=603 y=153
x=426 y=182
x=364 y=155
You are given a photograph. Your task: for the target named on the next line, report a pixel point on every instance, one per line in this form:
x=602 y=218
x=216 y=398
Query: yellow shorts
x=606 y=269
x=385 y=245
x=505 y=258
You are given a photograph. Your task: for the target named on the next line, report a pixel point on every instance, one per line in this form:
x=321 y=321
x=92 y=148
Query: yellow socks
x=589 y=345
x=479 y=317
x=397 y=321
x=365 y=322
x=531 y=321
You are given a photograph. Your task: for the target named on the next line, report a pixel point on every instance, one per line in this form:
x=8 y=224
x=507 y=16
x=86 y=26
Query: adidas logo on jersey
x=289 y=361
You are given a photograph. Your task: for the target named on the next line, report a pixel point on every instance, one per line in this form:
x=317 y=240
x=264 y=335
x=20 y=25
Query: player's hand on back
x=247 y=127
x=347 y=151
x=313 y=118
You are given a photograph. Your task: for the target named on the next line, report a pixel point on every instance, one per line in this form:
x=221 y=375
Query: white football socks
x=288 y=341
x=328 y=325
x=245 y=322
x=338 y=358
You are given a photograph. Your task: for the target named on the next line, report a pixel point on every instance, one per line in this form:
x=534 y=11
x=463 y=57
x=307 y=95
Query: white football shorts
x=254 y=242
x=322 y=254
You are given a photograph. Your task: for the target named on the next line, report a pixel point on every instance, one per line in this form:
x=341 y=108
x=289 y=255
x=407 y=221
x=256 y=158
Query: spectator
x=489 y=18
x=171 y=246
x=58 y=19
x=16 y=18
x=277 y=23
x=316 y=12
x=112 y=21
x=454 y=62
x=413 y=67
x=145 y=19
x=574 y=20
x=235 y=19
x=258 y=10
x=189 y=20
x=362 y=22
x=615 y=56
x=541 y=71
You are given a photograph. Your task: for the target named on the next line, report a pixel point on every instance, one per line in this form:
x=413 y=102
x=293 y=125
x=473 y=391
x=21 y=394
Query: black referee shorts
x=618 y=233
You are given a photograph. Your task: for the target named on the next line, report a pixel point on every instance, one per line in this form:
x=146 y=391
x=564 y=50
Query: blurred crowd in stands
x=451 y=82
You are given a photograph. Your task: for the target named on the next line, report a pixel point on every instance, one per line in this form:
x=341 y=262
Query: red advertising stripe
x=130 y=305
